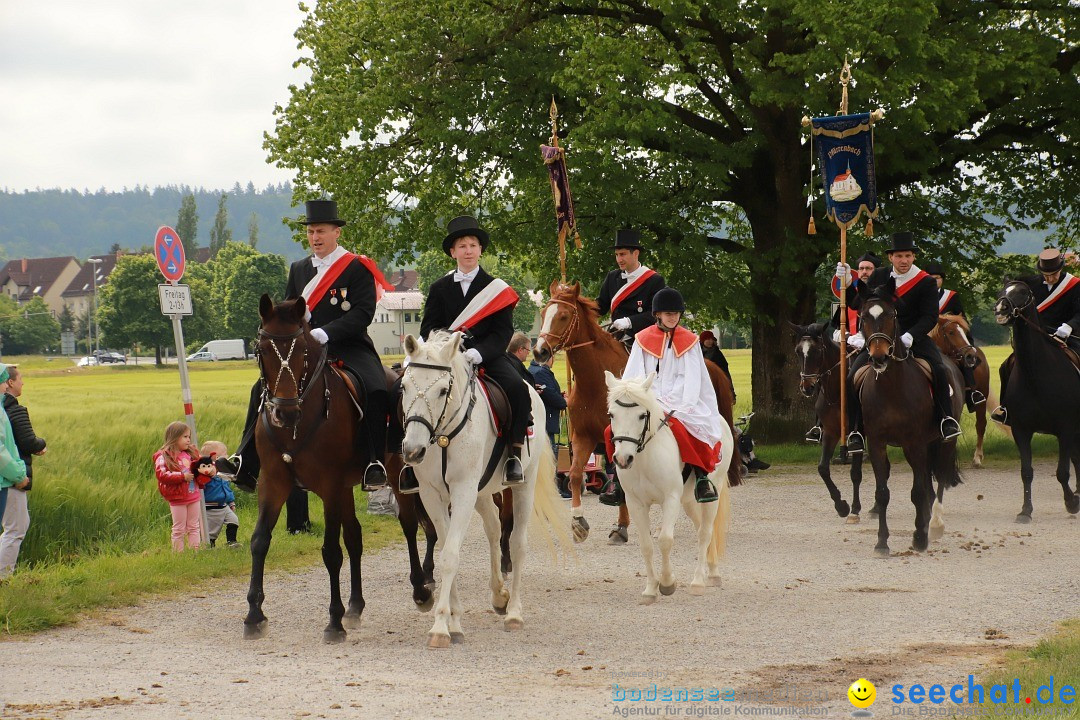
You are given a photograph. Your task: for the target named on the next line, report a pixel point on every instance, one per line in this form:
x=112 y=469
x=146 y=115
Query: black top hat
x=933 y=268
x=627 y=238
x=902 y=241
x=870 y=258
x=460 y=227
x=321 y=211
x=1051 y=260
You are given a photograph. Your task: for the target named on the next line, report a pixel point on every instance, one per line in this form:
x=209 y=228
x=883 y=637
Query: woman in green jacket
x=12 y=469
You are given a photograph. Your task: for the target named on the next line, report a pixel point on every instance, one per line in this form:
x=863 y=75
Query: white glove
x=843 y=271
x=473 y=356
x=620 y=324
x=320 y=335
x=1064 y=331
x=836 y=336
x=907 y=339
x=856 y=341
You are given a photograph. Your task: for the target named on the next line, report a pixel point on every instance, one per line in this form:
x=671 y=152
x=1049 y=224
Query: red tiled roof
x=82 y=284
x=34 y=276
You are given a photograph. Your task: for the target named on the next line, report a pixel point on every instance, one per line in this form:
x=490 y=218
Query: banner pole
x=843 y=346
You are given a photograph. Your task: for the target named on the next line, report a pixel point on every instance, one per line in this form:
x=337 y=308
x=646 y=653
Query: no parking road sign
x=169 y=253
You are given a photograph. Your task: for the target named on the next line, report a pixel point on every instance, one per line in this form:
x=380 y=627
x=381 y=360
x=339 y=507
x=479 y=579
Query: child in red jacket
x=179 y=485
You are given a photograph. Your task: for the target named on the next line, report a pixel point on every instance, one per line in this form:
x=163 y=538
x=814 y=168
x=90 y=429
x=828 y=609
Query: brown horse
x=570 y=322
x=305 y=435
x=952 y=336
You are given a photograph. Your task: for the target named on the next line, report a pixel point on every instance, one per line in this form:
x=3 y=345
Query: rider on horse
x=949 y=304
x=682 y=386
x=1057 y=297
x=472 y=301
x=340 y=290
x=916 y=313
x=627 y=293
x=866 y=265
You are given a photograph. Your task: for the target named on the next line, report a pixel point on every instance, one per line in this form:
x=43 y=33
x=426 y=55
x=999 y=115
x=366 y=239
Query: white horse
x=650 y=470
x=444 y=411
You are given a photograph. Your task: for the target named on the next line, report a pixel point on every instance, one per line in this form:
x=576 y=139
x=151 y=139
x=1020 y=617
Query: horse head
x=560 y=320
x=952 y=333
x=810 y=349
x=631 y=408
x=428 y=396
x=1012 y=301
x=282 y=353
x=879 y=326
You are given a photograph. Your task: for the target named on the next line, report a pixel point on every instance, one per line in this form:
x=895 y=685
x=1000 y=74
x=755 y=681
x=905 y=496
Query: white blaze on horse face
x=875 y=311
x=803 y=348
x=545 y=327
x=963 y=335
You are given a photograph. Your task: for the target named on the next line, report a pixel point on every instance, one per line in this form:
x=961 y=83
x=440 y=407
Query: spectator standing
x=16 y=517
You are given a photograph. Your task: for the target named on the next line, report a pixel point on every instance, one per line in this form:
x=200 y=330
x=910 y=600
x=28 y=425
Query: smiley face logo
x=862 y=693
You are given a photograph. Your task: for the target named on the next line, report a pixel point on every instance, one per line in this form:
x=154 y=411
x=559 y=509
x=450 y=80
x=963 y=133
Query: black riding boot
x=704 y=490
x=1000 y=413
x=244 y=464
x=373 y=427
x=515 y=475
x=612 y=493
x=855 y=441
x=972 y=396
x=407 y=483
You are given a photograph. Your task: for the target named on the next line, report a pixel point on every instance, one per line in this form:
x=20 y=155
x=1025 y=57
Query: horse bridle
x=556 y=341
x=890 y=339
x=816 y=378
x=270 y=398
x=958 y=352
x=442 y=439
x=641 y=440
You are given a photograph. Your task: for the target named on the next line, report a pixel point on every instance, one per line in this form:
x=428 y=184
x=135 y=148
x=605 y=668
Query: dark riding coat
x=953 y=307
x=1065 y=310
x=637 y=306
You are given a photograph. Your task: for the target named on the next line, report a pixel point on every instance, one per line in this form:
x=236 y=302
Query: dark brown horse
x=898 y=409
x=820 y=378
x=952 y=336
x=306 y=435
x=570 y=322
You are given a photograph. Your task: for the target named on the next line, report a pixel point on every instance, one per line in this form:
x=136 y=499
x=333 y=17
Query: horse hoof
x=499 y=610
x=618 y=535
x=423 y=604
x=919 y=545
x=255 y=631
x=457 y=638
x=936 y=533
x=852 y=519
x=512 y=624
x=647 y=600
x=713 y=581
x=668 y=589
x=1073 y=505
x=1023 y=519
x=881 y=552
x=580 y=527
x=697 y=590
x=842 y=508
x=332 y=636
x=351 y=621
x=438 y=641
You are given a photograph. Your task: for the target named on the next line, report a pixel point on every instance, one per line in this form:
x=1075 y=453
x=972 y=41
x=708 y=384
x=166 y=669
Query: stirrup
x=229 y=465
x=1000 y=415
x=813 y=435
x=375 y=483
x=513 y=479
x=977 y=398
x=856 y=443
x=407 y=481
x=951 y=435
x=705 y=491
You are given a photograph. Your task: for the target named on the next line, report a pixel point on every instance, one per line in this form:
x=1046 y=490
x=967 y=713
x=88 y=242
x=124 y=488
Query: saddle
x=497 y=402
x=860 y=374
x=352 y=382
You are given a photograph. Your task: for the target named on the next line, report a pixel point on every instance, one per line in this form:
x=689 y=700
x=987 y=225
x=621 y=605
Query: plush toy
x=205 y=466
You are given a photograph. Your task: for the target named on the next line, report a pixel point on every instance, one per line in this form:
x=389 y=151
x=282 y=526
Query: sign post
x=175 y=302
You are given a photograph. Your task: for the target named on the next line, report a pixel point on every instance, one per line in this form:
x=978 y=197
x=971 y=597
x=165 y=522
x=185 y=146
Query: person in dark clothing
x=16 y=515
x=517 y=351
x=544 y=381
x=711 y=351
x=627 y=293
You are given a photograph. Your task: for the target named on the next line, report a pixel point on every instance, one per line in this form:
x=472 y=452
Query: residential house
x=46 y=278
x=397 y=314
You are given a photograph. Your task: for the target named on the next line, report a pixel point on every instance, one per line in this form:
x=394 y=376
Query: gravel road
x=804 y=609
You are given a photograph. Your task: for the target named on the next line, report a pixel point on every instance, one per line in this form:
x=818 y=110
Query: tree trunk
x=157 y=355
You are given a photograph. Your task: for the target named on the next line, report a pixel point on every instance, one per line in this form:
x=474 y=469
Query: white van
x=223 y=350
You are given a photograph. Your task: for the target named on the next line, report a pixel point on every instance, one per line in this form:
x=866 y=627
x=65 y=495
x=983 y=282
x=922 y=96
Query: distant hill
x=45 y=223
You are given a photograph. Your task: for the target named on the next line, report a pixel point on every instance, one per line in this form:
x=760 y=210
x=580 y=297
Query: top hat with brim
x=1051 y=260
x=902 y=242
x=627 y=238
x=870 y=258
x=321 y=211
x=460 y=227
x=933 y=268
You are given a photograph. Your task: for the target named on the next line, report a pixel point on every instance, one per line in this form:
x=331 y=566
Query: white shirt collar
x=329 y=260
x=634 y=275
x=912 y=272
x=466 y=277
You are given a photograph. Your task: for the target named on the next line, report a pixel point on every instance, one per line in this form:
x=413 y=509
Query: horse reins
x=641 y=441
x=556 y=341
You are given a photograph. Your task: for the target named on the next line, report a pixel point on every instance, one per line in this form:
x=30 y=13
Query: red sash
x=946 y=298
x=626 y=290
x=691 y=450
x=903 y=289
x=334 y=272
x=1064 y=287
x=495 y=297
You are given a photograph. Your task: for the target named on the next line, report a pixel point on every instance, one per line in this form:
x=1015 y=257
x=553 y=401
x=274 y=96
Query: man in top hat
x=472 y=301
x=627 y=293
x=340 y=290
x=1057 y=298
x=949 y=304
x=916 y=312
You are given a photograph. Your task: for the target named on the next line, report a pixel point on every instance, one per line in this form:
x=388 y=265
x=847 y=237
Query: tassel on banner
x=869 y=231
x=811 y=229
x=577 y=240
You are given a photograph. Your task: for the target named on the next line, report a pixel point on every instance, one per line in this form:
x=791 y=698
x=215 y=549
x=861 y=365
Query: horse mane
x=634 y=390
x=437 y=340
x=591 y=313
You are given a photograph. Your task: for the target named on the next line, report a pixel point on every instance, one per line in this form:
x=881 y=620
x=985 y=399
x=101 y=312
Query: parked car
x=87 y=361
x=202 y=356
x=105 y=357
x=225 y=349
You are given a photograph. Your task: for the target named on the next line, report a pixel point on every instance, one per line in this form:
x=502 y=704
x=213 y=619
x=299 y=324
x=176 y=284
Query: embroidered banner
x=565 y=219
x=846 y=156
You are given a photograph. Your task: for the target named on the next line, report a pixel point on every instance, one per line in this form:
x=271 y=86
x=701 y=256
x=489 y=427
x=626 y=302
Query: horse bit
x=641 y=441
x=440 y=439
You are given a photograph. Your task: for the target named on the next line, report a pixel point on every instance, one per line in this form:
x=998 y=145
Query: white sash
x=945 y=299
x=479 y=303
x=631 y=286
x=1066 y=284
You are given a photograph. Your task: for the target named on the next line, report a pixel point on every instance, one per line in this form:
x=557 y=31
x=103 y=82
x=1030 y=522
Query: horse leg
x=519 y=541
x=1027 y=473
x=1072 y=502
x=640 y=513
x=921 y=494
x=354 y=545
x=856 y=483
x=490 y=514
x=828 y=444
x=581 y=450
x=332 y=557
x=982 y=384
x=452 y=528
x=937 y=518
x=875 y=511
x=880 y=460
x=506 y=520
x=703 y=515
x=271 y=500
x=407 y=518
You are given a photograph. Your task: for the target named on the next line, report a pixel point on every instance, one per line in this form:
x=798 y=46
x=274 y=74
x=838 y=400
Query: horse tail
x=721 y=523
x=549 y=510
x=943 y=464
x=734 y=471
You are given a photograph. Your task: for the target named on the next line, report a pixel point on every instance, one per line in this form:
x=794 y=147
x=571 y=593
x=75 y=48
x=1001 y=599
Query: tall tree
x=253 y=229
x=187 y=224
x=683 y=119
x=240 y=276
x=220 y=232
x=30 y=329
x=129 y=313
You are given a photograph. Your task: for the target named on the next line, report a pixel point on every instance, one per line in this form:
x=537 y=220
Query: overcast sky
x=118 y=93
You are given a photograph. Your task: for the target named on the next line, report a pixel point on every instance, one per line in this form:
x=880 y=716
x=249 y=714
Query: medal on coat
x=639 y=308
x=345 y=304
x=333 y=297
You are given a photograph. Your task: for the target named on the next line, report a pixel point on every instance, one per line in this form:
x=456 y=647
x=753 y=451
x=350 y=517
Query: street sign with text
x=175 y=299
